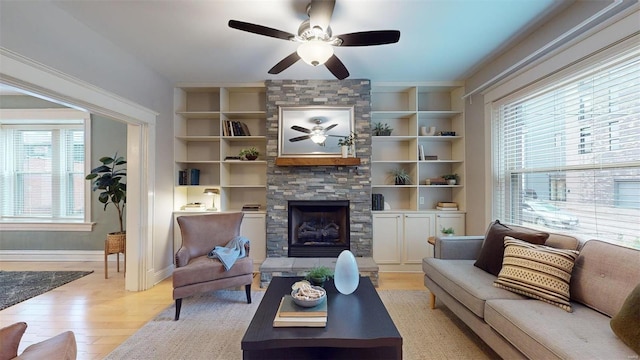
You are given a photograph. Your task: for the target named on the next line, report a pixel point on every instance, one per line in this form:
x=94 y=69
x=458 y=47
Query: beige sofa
x=60 y=347
x=515 y=326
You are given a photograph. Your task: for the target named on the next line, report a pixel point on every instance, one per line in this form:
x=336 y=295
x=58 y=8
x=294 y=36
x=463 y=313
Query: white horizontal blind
x=567 y=155
x=43 y=172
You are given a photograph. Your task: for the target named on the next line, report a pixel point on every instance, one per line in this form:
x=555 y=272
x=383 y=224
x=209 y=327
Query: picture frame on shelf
x=313 y=131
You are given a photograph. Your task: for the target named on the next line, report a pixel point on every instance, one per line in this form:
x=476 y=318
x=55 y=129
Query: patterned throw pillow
x=537 y=271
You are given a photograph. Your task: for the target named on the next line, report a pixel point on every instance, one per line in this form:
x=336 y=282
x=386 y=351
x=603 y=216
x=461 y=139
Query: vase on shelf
x=345 y=151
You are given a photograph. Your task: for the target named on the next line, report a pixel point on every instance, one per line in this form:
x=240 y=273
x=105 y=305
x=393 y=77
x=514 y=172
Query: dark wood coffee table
x=358 y=327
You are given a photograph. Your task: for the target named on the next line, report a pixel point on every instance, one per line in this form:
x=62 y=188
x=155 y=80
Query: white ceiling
x=189 y=40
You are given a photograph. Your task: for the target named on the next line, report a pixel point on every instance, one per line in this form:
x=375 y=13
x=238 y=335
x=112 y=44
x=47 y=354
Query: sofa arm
x=60 y=347
x=458 y=247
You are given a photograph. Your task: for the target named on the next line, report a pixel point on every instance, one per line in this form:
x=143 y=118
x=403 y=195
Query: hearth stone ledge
x=290 y=266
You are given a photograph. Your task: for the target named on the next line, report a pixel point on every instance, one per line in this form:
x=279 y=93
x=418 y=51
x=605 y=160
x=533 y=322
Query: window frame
x=47 y=118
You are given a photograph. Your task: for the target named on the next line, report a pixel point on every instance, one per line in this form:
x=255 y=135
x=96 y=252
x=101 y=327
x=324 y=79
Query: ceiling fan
x=316 y=39
x=317 y=134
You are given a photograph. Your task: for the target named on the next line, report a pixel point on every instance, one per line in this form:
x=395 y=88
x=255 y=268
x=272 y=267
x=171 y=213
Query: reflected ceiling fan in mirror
x=317 y=134
x=316 y=39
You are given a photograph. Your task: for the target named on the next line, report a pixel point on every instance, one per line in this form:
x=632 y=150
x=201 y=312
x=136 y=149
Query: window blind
x=567 y=154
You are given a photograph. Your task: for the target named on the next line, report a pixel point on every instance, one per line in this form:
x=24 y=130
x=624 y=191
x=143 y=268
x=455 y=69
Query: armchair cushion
x=10 y=337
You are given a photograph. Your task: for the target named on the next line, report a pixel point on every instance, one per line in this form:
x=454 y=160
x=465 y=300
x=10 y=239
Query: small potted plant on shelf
x=400 y=176
x=346 y=144
x=447 y=231
x=380 y=129
x=452 y=179
x=107 y=180
x=249 y=153
x=318 y=275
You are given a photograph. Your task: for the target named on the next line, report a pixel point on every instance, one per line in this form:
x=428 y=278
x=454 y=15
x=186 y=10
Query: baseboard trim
x=53 y=255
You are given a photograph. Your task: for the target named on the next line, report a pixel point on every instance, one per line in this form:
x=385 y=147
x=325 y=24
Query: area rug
x=18 y=286
x=212 y=325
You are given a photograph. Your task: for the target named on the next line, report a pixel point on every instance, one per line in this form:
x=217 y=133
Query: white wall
x=42 y=32
x=478 y=146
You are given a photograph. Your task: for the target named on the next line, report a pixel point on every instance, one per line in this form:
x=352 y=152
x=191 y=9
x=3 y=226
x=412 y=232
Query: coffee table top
x=353 y=321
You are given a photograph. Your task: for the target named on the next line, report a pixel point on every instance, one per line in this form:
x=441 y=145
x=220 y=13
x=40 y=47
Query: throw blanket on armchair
x=231 y=252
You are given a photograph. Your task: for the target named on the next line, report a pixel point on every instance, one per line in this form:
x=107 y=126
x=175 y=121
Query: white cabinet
x=408 y=109
x=253 y=227
x=455 y=221
x=400 y=239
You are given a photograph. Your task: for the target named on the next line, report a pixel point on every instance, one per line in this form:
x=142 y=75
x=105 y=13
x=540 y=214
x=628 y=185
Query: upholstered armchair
x=195 y=272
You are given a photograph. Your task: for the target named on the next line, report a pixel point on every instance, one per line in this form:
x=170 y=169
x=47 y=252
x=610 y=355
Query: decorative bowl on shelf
x=308 y=296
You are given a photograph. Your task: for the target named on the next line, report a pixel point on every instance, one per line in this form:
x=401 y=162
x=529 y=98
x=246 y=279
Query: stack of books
x=447 y=206
x=251 y=207
x=235 y=128
x=292 y=315
x=193 y=207
x=377 y=202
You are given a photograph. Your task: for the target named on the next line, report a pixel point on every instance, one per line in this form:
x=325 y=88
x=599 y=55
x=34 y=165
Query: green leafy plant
x=451 y=177
x=347 y=140
x=107 y=180
x=400 y=176
x=380 y=129
x=250 y=153
x=319 y=274
x=447 y=231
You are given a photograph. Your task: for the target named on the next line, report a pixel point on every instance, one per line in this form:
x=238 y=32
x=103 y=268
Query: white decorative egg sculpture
x=346 y=276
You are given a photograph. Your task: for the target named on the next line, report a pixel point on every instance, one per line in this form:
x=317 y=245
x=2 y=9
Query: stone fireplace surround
x=285 y=183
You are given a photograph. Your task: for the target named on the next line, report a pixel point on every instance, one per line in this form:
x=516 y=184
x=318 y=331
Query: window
x=574 y=141
x=43 y=169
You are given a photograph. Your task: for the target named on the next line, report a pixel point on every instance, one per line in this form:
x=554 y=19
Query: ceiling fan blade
x=300 y=138
x=368 y=38
x=320 y=12
x=284 y=63
x=337 y=68
x=330 y=127
x=301 y=129
x=260 y=30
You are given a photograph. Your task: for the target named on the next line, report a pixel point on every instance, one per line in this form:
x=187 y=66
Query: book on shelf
x=251 y=207
x=377 y=202
x=299 y=321
x=448 y=204
x=235 y=128
x=430 y=157
x=446 y=208
x=421 y=153
x=193 y=207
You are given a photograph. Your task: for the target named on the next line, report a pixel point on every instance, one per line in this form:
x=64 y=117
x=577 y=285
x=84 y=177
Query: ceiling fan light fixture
x=315 y=52
x=318 y=138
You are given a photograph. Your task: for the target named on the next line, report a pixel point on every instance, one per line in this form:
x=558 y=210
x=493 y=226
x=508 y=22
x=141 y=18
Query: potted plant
x=447 y=231
x=107 y=180
x=318 y=275
x=452 y=179
x=249 y=153
x=346 y=143
x=400 y=176
x=380 y=129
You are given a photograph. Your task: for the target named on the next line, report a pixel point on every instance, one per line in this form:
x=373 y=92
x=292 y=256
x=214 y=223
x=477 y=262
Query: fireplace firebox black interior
x=318 y=228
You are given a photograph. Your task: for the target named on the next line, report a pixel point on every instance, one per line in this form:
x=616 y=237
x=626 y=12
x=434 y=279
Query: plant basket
x=116 y=242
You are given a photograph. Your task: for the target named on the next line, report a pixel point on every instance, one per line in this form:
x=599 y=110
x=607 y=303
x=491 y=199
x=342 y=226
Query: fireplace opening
x=318 y=228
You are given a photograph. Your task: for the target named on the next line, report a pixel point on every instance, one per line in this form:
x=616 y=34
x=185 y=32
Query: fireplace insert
x=318 y=228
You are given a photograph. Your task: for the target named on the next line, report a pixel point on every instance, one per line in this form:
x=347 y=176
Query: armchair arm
x=182 y=257
x=458 y=247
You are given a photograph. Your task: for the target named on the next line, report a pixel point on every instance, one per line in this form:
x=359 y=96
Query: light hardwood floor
x=102 y=314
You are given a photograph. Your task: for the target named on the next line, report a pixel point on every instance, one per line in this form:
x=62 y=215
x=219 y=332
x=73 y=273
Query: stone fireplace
x=318 y=228
x=289 y=184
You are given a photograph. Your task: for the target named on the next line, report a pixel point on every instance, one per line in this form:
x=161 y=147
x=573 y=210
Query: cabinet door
x=254 y=228
x=417 y=229
x=455 y=221
x=387 y=238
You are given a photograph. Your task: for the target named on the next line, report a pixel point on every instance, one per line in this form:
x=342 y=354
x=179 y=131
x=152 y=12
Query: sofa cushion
x=544 y=331
x=626 y=323
x=492 y=251
x=537 y=271
x=604 y=275
x=468 y=284
x=10 y=337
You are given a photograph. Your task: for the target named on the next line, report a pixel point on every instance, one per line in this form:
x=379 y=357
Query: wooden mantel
x=319 y=161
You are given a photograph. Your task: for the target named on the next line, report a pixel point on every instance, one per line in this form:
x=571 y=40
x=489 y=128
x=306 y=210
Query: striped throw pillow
x=537 y=271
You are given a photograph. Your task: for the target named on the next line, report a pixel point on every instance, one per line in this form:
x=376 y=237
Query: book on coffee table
x=291 y=315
